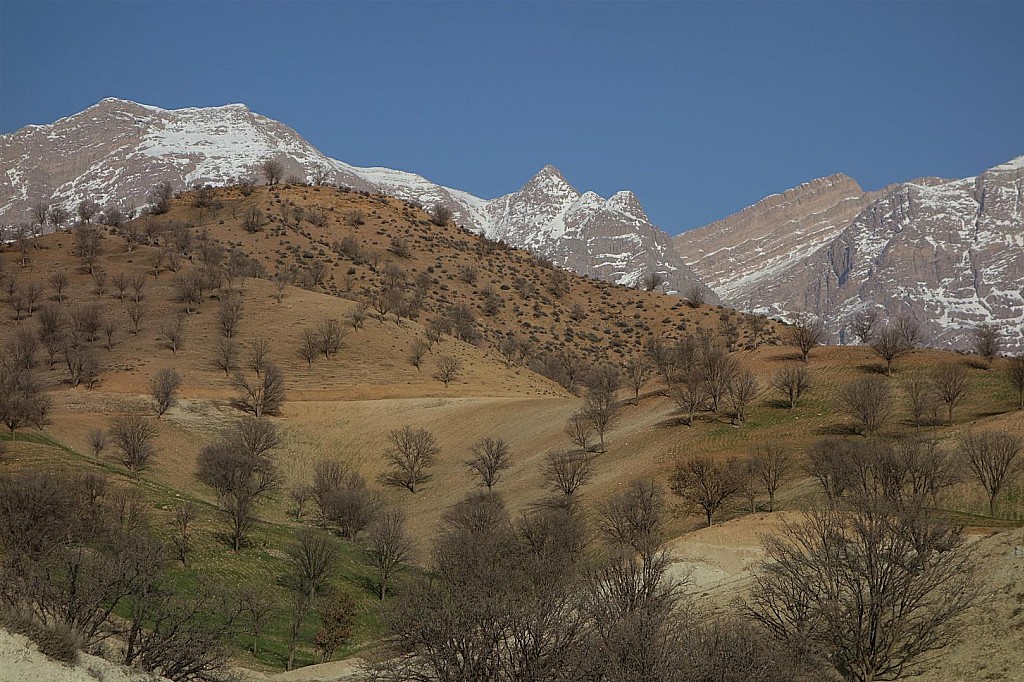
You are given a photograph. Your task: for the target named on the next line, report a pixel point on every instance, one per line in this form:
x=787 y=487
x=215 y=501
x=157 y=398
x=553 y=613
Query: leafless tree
x=337 y=616
x=567 y=472
x=988 y=342
x=772 y=465
x=87 y=209
x=1015 y=373
x=259 y=351
x=111 y=325
x=601 y=410
x=792 y=382
x=300 y=495
x=743 y=390
x=263 y=396
x=638 y=372
x=172 y=332
x=241 y=469
x=688 y=391
x=717 y=369
x=331 y=337
x=87 y=247
x=864 y=324
x=253 y=220
x=160 y=197
x=59 y=282
x=994 y=459
x=182 y=521
x=441 y=215
x=910 y=330
x=868 y=402
x=389 y=546
x=579 y=429
x=949 y=383
x=489 y=457
x=921 y=399
x=58 y=216
x=311 y=562
x=343 y=498
x=22 y=399
x=40 y=212
x=694 y=295
x=134 y=436
x=97 y=442
x=706 y=483
x=272 y=170
x=417 y=352
x=309 y=346
x=138 y=287
x=652 y=280
x=413 y=452
x=229 y=314
x=806 y=332
x=164 y=387
x=448 y=368
x=121 y=282
x=226 y=356
x=357 y=316
x=810 y=591
x=136 y=314
x=890 y=343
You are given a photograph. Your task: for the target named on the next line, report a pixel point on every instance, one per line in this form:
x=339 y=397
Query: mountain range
x=949 y=253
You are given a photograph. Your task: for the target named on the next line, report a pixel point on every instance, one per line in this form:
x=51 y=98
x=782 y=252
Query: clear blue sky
x=701 y=109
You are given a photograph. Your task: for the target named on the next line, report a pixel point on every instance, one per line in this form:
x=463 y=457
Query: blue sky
x=701 y=109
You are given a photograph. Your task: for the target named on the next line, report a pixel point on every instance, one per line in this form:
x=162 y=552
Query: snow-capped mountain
x=115 y=152
x=950 y=253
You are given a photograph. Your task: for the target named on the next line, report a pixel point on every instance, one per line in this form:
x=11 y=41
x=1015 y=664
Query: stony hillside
x=949 y=253
x=116 y=151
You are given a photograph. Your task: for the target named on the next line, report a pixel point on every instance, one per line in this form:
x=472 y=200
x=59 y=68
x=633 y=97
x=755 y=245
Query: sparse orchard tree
x=337 y=616
x=920 y=397
x=239 y=466
x=638 y=372
x=567 y=472
x=694 y=295
x=272 y=171
x=331 y=337
x=97 y=443
x=706 y=483
x=265 y=395
x=687 y=390
x=59 y=282
x=229 y=314
x=868 y=402
x=772 y=465
x=864 y=324
x=111 y=325
x=417 y=352
x=309 y=346
x=792 y=382
x=134 y=437
x=87 y=210
x=389 y=546
x=226 y=356
x=743 y=390
x=910 y=330
x=164 y=387
x=181 y=523
x=994 y=459
x=489 y=457
x=601 y=410
x=988 y=342
x=172 y=333
x=259 y=351
x=806 y=332
x=1015 y=373
x=160 y=197
x=949 y=383
x=253 y=220
x=441 y=215
x=136 y=314
x=448 y=368
x=58 y=216
x=890 y=343
x=413 y=452
x=300 y=495
x=579 y=429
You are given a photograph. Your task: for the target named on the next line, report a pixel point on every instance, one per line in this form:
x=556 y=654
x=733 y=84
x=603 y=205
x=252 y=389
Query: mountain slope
x=949 y=253
x=114 y=152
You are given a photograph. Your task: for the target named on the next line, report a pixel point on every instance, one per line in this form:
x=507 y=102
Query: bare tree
x=97 y=442
x=229 y=314
x=263 y=396
x=309 y=346
x=259 y=351
x=253 y=220
x=890 y=343
x=652 y=280
x=567 y=472
x=792 y=382
x=134 y=436
x=87 y=247
x=164 y=387
x=311 y=562
x=388 y=546
x=272 y=171
x=579 y=429
x=864 y=324
x=172 y=332
x=226 y=356
x=805 y=333
x=706 y=483
x=717 y=369
x=638 y=372
x=743 y=390
x=357 y=316
x=772 y=465
x=694 y=295
x=868 y=402
x=182 y=521
x=58 y=216
x=337 y=616
x=448 y=367
x=343 y=498
x=59 y=282
x=601 y=410
x=920 y=576
x=949 y=383
x=240 y=468
x=687 y=390
x=910 y=330
x=331 y=337
x=417 y=352
x=411 y=455
x=160 y=197
x=994 y=459
x=1015 y=373
x=441 y=215
x=921 y=399
x=988 y=342
x=136 y=314
x=489 y=458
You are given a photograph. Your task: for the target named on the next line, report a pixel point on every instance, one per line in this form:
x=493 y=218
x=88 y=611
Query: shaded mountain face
x=949 y=253
x=115 y=152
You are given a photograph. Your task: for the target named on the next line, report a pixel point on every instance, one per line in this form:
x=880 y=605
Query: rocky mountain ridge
x=949 y=253
x=115 y=151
